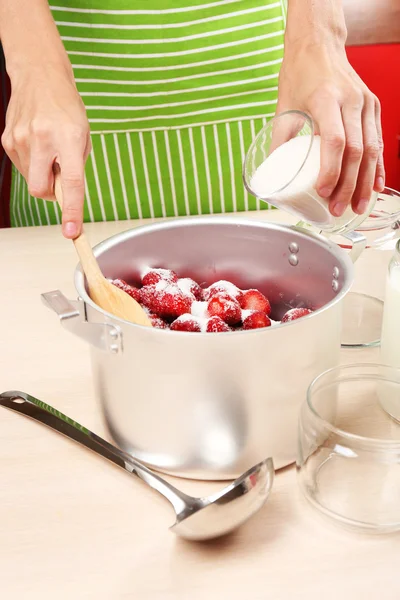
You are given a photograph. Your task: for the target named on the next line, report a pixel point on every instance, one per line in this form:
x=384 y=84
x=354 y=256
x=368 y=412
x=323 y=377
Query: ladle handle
x=47 y=415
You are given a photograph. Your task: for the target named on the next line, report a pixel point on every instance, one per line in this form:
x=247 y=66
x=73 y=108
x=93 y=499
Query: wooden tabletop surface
x=74 y=527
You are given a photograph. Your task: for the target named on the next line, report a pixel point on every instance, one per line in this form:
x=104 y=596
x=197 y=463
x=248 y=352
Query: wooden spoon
x=102 y=292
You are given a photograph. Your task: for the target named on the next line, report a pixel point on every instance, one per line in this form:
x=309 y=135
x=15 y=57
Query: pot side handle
x=72 y=315
x=358 y=244
x=358 y=241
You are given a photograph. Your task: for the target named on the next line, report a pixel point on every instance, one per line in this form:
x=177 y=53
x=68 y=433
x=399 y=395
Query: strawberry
x=129 y=289
x=216 y=325
x=222 y=287
x=295 y=313
x=189 y=286
x=256 y=320
x=153 y=276
x=255 y=300
x=165 y=300
x=186 y=323
x=158 y=323
x=148 y=296
x=225 y=307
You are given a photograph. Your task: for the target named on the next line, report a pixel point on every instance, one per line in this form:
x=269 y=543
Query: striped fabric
x=175 y=91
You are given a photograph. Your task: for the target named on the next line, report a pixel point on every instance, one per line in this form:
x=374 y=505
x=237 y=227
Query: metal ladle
x=196 y=518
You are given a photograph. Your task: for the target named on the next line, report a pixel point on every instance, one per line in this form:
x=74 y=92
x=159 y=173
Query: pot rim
x=107 y=244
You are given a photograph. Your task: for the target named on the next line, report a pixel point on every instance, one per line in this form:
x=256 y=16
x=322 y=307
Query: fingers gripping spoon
x=196 y=518
x=102 y=292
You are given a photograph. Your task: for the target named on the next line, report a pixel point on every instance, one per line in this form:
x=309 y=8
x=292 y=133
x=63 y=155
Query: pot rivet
x=114 y=348
x=335 y=285
x=113 y=334
x=293 y=260
x=293 y=247
x=336 y=273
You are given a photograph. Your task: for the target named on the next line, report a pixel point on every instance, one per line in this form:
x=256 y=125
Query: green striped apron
x=175 y=90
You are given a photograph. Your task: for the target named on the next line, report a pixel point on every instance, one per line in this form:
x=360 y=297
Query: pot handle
x=102 y=336
x=358 y=244
x=358 y=241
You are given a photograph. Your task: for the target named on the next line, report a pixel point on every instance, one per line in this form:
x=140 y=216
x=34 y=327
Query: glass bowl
x=382 y=226
x=281 y=167
x=363 y=314
x=362 y=321
x=349 y=446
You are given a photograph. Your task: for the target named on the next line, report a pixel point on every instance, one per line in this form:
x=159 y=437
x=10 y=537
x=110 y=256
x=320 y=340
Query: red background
x=379 y=67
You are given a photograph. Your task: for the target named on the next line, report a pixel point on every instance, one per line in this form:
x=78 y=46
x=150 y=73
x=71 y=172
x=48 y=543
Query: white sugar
x=145 y=270
x=168 y=288
x=200 y=314
x=224 y=286
x=185 y=285
x=283 y=165
x=162 y=285
x=247 y=313
x=186 y=317
x=228 y=287
x=201 y=321
x=164 y=273
x=199 y=309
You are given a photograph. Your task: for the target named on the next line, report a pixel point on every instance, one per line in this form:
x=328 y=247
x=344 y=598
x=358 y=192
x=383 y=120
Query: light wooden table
x=74 y=527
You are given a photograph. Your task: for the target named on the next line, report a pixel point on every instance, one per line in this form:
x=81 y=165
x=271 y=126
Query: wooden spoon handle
x=102 y=292
x=88 y=260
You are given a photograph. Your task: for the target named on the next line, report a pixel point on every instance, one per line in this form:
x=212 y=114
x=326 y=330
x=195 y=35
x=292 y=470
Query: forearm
x=29 y=36
x=315 y=22
x=317 y=78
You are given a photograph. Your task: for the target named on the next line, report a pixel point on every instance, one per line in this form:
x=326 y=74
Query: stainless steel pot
x=209 y=406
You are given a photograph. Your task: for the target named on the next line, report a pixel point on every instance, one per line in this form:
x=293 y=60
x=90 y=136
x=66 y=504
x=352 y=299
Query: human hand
x=320 y=81
x=46 y=123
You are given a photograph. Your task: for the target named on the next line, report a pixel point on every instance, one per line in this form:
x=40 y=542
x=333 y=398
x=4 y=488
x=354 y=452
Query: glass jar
x=390 y=338
x=281 y=167
x=363 y=314
x=349 y=449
